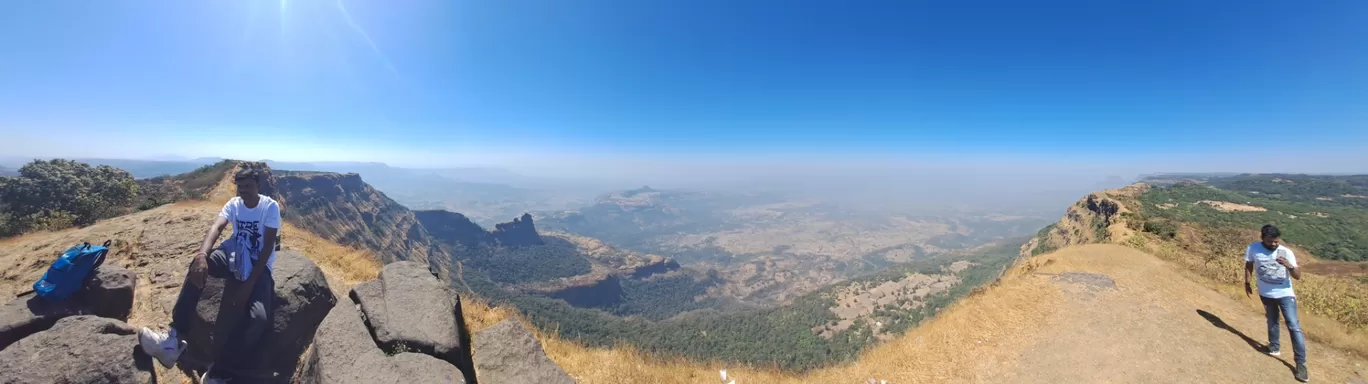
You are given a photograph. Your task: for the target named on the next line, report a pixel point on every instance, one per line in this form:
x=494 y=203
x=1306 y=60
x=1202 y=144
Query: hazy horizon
x=905 y=100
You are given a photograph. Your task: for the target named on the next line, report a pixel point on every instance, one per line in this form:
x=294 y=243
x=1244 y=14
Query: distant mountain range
x=486 y=195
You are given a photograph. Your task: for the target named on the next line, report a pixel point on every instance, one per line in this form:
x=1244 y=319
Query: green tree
x=57 y=193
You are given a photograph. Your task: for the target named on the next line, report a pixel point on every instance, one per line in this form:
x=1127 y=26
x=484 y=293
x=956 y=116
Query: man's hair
x=1269 y=231
x=247 y=174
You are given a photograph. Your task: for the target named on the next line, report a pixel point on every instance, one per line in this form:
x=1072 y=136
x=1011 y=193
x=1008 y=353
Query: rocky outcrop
x=600 y=288
x=78 y=349
x=507 y=353
x=626 y=263
x=406 y=326
x=302 y=300
x=521 y=231
x=108 y=293
x=409 y=309
x=654 y=265
x=344 y=209
x=1096 y=218
x=454 y=229
x=345 y=353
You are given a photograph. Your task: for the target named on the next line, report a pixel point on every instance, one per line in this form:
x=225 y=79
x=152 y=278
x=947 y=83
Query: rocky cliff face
x=519 y=232
x=343 y=208
x=624 y=263
x=457 y=230
x=453 y=228
x=1097 y=218
x=599 y=288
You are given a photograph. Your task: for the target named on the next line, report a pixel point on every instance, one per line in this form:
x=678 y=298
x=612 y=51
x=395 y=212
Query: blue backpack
x=68 y=274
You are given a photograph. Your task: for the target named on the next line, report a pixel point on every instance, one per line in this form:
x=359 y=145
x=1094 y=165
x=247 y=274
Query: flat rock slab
x=108 y=293
x=410 y=310
x=78 y=349
x=29 y=314
x=345 y=353
x=1091 y=280
x=507 y=353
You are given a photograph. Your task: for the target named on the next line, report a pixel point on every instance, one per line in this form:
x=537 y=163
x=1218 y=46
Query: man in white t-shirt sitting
x=246 y=256
x=1276 y=266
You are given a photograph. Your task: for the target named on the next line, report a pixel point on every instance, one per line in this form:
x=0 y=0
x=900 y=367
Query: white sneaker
x=162 y=346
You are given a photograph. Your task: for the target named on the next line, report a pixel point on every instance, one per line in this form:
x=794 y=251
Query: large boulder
x=78 y=349
x=508 y=353
x=302 y=300
x=108 y=293
x=409 y=309
x=345 y=353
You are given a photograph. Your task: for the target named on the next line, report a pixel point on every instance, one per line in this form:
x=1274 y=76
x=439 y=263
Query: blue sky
x=526 y=83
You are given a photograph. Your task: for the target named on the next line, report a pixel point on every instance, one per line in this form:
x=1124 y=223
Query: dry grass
x=1227 y=206
x=1334 y=308
x=344 y=266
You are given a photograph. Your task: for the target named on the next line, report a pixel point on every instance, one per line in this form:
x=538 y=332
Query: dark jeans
x=243 y=341
x=1288 y=307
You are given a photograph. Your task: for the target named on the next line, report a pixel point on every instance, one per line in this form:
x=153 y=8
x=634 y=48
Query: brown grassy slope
x=1334 y=308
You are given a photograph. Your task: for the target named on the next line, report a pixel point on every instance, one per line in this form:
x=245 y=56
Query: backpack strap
x=99 y=261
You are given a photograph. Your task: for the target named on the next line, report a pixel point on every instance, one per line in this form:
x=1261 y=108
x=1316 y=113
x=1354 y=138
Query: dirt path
x=1126 y=317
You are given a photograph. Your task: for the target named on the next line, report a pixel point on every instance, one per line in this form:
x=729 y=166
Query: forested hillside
x=783 y=337
x=1328 y=215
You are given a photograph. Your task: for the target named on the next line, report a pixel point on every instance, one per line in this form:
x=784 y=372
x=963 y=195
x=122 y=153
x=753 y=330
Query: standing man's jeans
x=243 y=341
x=1288 y=307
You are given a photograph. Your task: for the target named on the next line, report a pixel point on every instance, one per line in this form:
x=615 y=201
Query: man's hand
x=243 y=294
x=1283 y=261
x=1249 y=290
x=199 y=268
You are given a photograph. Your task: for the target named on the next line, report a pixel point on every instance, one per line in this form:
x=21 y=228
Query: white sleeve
x=227 y=211
x=1291 y=258
x=272 y=218
x=1249 y=255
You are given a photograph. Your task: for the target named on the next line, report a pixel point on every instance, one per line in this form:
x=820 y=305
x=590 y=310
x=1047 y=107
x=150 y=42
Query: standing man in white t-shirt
x=246 y=256
x=1276 y=266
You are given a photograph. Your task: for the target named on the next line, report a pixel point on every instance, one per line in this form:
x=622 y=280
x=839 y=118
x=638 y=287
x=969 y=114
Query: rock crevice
x=404 y=325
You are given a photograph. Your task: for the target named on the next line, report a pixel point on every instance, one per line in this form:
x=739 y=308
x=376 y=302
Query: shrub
x=50 y=194
x=1164 y=229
